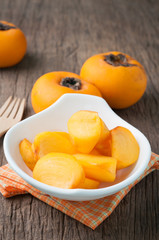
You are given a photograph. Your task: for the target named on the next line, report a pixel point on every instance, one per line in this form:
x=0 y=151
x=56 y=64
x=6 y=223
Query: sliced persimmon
x=100 y=168
x=104 y=132
x=104 y=148
x=89 y=184
x=59 y=170
x=124 y=148
x=47 y=142
x=84 y=128
x=95 y=152
x=25 y=148
x=64 y=134
x=104 y=144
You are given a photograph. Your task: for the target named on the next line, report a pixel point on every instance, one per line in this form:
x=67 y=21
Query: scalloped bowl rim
x=76 y=194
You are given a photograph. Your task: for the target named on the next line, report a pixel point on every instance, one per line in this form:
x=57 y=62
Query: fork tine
x=19 y=114
x=5 y=105
x=9 y=108
x=15 y=109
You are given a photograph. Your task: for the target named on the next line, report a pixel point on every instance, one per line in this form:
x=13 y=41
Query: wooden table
x=61 y=35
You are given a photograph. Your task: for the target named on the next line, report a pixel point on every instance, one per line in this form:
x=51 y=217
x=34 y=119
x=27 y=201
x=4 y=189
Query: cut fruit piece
x=104 y=148
x=89 y=184
x=27 y=153
x=85 y=129
x=124 y=147
x=47 y=142
x=95 y=152
x=100 y=168
x=104 y=132
x=59 y=170
x=65 y=135
x=104 y=144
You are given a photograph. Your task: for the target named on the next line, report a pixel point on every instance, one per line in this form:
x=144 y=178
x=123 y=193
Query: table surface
x=61 y=35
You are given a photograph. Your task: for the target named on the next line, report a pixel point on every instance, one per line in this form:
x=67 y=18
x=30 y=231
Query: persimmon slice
x=84 y=128
x=95 y=152
x=47 y=142
x=65 y=135
x=100 y=168
x=124 y=147
x=27 y=153
x=89 y=184
x=104 y=144
x=59 y=170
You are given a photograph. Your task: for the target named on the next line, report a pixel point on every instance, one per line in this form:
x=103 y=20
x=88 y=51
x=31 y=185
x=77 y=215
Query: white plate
x=55 y=118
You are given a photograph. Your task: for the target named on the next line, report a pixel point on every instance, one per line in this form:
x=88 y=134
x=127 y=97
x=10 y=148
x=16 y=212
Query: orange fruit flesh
x=63 y=160
x=103 y=146
x=89 y=184
x=47 y=142
x=124 y=147
x=27 y=153
x=84 y=128
x=99 y=168
x=59 y=170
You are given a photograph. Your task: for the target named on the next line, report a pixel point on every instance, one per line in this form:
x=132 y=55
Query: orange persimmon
x=46 y=142
x=25 y=148
x=12 y=44
x=84 y=128
x=99 y=168
x=89 y=184
x=124 y=147
x=49 y=87
x=120 y=78
x=95 y=152
x=103 y=146
x=59 y=170
x=65 y=135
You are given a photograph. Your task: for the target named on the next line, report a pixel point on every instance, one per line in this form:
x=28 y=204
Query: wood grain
x=61 y=35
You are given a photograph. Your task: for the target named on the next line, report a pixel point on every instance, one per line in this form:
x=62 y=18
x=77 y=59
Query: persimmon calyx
x=117 y=60
x=4 y=27
x=71 y=82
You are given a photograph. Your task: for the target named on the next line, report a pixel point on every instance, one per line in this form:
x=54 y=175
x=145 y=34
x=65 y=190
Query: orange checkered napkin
x=90 y=213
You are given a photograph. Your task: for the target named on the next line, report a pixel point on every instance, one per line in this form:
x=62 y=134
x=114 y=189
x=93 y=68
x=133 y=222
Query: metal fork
x=11 y=113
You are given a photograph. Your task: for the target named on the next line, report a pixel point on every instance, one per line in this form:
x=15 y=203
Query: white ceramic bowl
x=55 y=118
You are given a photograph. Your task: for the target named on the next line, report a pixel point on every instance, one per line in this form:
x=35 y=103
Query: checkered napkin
x=90 y=213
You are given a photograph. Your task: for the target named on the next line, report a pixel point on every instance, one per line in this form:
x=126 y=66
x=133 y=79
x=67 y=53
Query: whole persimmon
x=120 y=78
x=12 y=44
x=51 y=86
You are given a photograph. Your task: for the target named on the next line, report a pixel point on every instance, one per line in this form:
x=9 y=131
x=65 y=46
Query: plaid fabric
x=90 y=213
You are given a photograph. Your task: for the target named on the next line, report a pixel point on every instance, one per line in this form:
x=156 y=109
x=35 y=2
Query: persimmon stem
x=117 y=60
x=71 y=82
x=4 y=27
